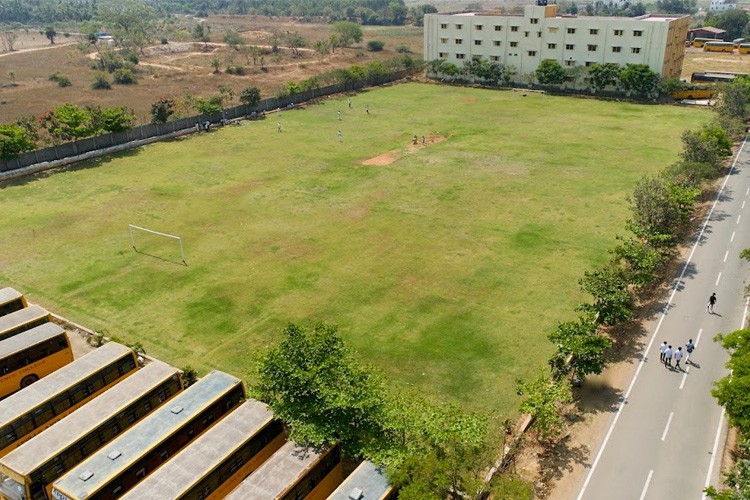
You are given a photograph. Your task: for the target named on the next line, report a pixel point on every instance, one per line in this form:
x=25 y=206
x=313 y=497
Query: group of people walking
x=667 y=354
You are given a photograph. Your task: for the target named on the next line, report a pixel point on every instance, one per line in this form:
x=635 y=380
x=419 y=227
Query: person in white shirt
x=678 y=358
x=668 y=357
x=662 y=350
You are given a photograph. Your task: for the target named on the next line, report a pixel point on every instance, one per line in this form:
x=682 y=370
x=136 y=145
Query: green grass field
x=446 y=268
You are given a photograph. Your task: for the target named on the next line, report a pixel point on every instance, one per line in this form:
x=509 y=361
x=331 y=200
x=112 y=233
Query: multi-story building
x=523 y=41
x=721 y=6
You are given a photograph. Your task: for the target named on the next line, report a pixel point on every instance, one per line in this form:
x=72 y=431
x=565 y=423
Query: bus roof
x=202 y=456
x=28 y=338
x=277 y=474
x=368 y=479
x=24 y=401
x=139 y=439
x=21 y=316
x=39 y=449
x=7 y=294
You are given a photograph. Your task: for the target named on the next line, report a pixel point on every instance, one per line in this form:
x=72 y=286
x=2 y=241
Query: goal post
x=132 y=229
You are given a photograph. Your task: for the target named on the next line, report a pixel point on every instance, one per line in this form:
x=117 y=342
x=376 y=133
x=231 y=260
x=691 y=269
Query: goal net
x=155 y=243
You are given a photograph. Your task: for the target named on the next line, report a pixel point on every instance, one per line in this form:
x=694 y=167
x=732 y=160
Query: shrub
x=403 y=49
x=132 y=57
x=250 y=96
x=162 y=109
x=124 y=76
x=375 y=45
x=236 y=70
x=62 y=80
x=100 y=82
x=164 y=41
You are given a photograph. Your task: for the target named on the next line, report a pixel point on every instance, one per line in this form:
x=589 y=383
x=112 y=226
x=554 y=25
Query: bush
x=375 y=45
x=250 y=96
x=164 y=41
x=124 y=76
x=62 y=80
x=236 y=70
x=131 y=57
x=403 y=49
x=100 y=82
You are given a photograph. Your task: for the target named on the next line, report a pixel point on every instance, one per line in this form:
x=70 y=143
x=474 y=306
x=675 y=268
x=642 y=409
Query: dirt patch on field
x=469 y=100
x=387 y=158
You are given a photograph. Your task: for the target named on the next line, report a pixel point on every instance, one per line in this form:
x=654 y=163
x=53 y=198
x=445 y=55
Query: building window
x=498 y=28
x=443 y=40
x=593 y=32
x=619 y=32
x=442 y=55
x=494 y=58
x=635 y=50
x=443 y=26
x=478 y=27
x=569 y=46
x=637 y=33
x=551 y=45
x=459 y=26
x=526 y=34
x=539 y=34
x=570 y=63
x=589 y=63
x=571 y=31
x=532 y=53
x=534 y=20
x=552 y=29
x=459 y=41
x=616 y=49
x=592 y=48
x=514 y=44
x=496 y=43
x=514 y=28
x=477 y=42
x=460 y=56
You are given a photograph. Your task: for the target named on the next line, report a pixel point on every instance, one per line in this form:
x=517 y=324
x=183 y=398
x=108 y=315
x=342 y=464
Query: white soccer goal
x=133 y=229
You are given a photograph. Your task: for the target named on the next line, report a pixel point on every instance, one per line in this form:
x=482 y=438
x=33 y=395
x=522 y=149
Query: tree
x=161 y=110
x=116 y=119
x=676 y=6
x=733 y=391
x=734 y=97
x=316 y=385
x=545 y=401
x=605 y=74
x=738 y=478
x=709 y=145
x=202 y=33
x=250 y=96
x=639 y=260
x=294 y=41
x=550 y=72
x=14 y=140
x=659 y=210
x=322 y=47
x=216 y=64
x=347 y=32
x=580 y=341
x=232 y=38
x=205 y=105
x=131 y=22
x=67 y=122
x=50 y=33
x=613 y=302
x=733 y=21
x=640 y=79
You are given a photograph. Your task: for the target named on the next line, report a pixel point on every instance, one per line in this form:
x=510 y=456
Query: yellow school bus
x=718 y=47
x=744 y=48
x=700 y=42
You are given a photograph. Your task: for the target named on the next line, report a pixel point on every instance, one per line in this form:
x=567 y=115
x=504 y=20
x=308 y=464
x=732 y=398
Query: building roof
x=710 y=29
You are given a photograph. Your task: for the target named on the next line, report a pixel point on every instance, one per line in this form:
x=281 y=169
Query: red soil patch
x=384 y=159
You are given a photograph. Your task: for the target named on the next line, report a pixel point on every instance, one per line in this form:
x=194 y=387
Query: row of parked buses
x=712 y=45
x=101 y=427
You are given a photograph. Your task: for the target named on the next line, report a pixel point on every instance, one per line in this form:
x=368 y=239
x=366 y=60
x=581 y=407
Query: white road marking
x=732 y=238
x=684 y=375
x=747 y=192
x=714 y=452
x=645 y=486
x=698 y=338
x=743 y=204
x=666 y=428
x=656 y=330
x=726 y=255
x=718 y=278
x=738 y=218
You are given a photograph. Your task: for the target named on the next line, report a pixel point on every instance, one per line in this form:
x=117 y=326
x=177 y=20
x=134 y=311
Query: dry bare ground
x=180 y=69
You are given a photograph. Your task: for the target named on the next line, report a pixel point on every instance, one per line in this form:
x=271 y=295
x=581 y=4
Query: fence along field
x=446 y=268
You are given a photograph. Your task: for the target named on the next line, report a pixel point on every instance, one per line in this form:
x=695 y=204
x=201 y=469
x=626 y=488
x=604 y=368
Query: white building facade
x=721 y=6
x=524 y=41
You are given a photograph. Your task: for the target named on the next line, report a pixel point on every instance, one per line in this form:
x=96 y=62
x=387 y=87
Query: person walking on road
x=668 y=357
x=711 y=303
x=678 y=358
x=689 y=347
x=662 y=350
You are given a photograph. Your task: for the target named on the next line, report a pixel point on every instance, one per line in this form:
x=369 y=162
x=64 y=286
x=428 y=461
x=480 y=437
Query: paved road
x=667 y=435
